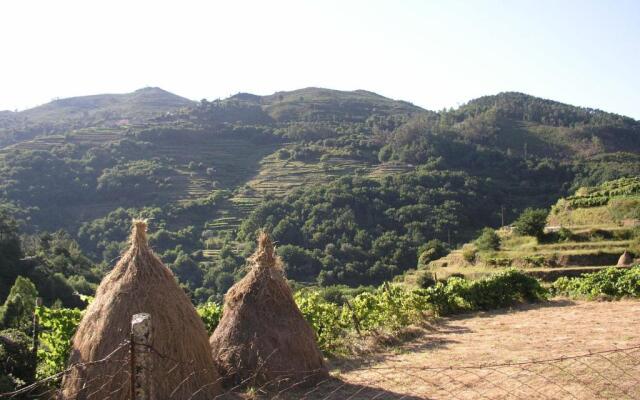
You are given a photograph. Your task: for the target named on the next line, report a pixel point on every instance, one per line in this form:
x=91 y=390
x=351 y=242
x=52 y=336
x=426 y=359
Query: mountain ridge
x=149 y=93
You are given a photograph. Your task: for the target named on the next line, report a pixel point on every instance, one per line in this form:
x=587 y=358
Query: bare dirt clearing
x=529 y=352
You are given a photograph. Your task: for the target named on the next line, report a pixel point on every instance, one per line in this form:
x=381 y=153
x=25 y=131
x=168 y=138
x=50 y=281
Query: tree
x=17 y=363
x=531 y=222
x=18 y=309
x=299 y=264
x=488 y=240
x=224 y=281
x=431 y=251
x=187 y=271
x=10 y=252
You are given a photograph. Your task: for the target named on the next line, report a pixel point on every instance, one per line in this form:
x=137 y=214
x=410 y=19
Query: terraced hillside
x=199 y=169
x=586 y=232
x=277 y=178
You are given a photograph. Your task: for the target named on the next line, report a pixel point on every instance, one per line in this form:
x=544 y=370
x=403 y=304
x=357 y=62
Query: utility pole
x=502 y=214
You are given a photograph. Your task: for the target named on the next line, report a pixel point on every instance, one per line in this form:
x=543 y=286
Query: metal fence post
x=141 y=339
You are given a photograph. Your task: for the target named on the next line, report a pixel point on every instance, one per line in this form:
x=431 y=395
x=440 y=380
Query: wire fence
x=609 y=374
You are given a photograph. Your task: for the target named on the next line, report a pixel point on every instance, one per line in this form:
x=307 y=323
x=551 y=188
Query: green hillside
x=104 y=110
x=547 y=128
x=584 y=232
x=352 y=185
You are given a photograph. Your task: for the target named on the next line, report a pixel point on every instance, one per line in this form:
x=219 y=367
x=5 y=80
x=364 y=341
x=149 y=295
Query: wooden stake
x=141 y=340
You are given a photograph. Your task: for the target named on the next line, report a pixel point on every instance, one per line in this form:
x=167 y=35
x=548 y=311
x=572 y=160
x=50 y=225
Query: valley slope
x=373 y=177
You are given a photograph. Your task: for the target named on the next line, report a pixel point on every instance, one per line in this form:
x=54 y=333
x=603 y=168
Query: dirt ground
x=558 y=350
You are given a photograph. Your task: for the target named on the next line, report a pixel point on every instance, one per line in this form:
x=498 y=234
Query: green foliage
x=187 y=271
x=488 y=240
x=425 y=279
x=431 y=251
x=211 y=313
x=17 y=364
x=187 y=165
x=500 y=290
x=605 y=192
x=17 y=311
x=361 y=231
x=57 y=326
x=10 y=252
x=141 y=176
x=531 y=222
x=565 y=235
x=390 y=308
x=299 y=264
x=324 y=317
x=606 y=167
x=54 y=263
x=469 y=252
x=612 y=282
x=387 y=308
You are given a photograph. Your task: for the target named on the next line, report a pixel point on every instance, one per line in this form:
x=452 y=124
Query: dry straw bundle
x=263 y=337
x=182 y=362
x=625 y=259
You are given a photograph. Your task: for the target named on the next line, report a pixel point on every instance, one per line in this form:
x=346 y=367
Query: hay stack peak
x=263 y=337
x=139 y=234
x=625 y=259
x=265 y=255
x=140 y=283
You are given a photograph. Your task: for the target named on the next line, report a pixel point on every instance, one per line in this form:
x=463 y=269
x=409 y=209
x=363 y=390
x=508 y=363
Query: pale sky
x=432 y=53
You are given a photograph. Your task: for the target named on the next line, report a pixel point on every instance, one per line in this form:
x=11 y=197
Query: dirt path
x=444 y=363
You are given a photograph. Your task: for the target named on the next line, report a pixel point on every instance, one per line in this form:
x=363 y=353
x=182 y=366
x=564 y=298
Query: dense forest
x=354 y=187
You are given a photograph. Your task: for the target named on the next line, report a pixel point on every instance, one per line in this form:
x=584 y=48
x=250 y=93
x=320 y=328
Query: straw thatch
x=263 y=338
x=182 y=362
x=625 y=259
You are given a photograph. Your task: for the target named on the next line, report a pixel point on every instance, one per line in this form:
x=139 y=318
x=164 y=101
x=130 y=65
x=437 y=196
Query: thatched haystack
x=625 y=259
x=263 y=338
x=182 y=362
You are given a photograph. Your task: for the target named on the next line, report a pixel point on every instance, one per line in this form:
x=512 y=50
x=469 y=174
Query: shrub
x=499 y=290
x=612 y=282
x=531 y=222
x=469 y=252
x=58 y=326
x=488 y=240
x=323 y=316
x=431 y=251
x=210 y=313
x=425 y=279
x=283 y=154
x=17 y=364
x=565 y=235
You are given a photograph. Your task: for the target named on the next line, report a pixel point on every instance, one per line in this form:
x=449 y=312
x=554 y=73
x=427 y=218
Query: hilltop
x=61 y=115
x=351 y=184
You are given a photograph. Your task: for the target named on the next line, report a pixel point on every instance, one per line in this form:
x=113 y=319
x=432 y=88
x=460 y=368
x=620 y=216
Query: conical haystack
x=625 y=259
x=182 y=365
x=263 y=337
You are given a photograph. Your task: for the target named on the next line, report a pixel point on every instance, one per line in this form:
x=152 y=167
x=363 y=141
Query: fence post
x=141 y=356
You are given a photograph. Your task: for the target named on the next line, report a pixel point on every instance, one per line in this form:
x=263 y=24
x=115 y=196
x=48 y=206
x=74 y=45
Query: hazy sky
x=433 y=53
